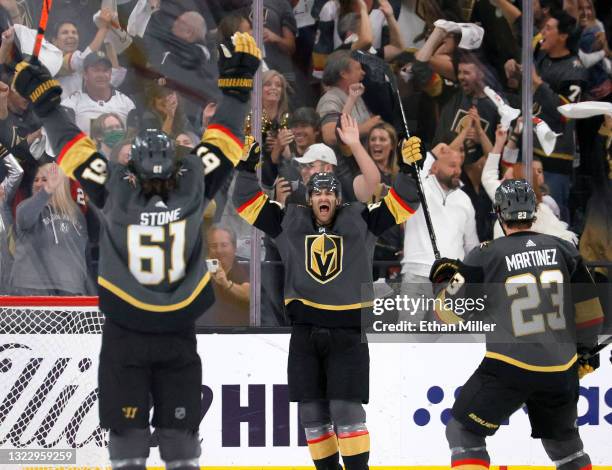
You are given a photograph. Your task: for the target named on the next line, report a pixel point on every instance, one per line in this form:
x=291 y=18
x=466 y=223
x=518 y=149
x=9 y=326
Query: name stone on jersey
x=160 y=218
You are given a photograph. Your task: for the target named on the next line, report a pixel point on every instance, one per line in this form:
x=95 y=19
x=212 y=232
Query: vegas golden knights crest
x=323 y=256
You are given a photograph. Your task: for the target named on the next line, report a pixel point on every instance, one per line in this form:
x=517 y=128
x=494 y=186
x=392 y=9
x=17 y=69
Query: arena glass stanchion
x=527 y=91
x=256 y=238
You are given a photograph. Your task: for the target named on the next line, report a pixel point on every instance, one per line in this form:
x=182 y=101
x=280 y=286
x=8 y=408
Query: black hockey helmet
x=152 y=155
x=515 y=200
x=320 y=181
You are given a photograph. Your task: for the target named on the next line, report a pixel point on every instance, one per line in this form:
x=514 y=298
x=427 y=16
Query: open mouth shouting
x=378 y=153
x=324 y=209
x=323 y=192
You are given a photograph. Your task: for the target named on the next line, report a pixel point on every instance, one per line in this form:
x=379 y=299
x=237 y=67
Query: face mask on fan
x=113 y=137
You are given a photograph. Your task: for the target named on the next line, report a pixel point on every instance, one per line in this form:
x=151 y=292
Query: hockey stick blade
x=601 y=346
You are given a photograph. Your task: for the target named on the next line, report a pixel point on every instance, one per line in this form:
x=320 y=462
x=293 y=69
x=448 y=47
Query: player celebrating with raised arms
x=545 y=314
x=153 y=282
x=327 y=249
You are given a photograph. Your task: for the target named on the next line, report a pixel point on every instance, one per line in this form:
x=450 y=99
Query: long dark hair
x=156 y=91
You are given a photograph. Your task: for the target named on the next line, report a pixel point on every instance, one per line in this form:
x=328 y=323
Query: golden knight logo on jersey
x=323 y=256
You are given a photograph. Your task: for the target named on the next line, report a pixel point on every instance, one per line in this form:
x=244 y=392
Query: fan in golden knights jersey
x=152 y=282
x=327 y=250
x=543 y=305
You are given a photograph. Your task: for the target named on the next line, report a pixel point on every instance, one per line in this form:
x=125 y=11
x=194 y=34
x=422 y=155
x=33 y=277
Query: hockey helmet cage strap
x=321 y=181
x=152 y=155
x=515 y=200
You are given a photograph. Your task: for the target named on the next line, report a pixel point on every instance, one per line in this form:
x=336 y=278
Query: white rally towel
x=50 y=56
x=589 y=59
x=545 y=134
x=506 y=112
x=586 y=109
x=116 y=36
x=471 y=34
x=139 y=18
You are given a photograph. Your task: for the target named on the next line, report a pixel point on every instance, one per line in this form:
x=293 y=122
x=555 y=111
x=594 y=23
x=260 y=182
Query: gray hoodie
x=50 y=249
x=10 y=184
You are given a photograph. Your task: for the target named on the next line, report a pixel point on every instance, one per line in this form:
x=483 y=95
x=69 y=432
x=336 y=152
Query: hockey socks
x=472 y=458
x=567 y=455
x=468 y=449
x=574 y=462
x=323 y=446
x=354 y=443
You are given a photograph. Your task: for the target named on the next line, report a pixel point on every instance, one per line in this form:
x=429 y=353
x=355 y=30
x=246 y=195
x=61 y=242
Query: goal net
x=49 y=350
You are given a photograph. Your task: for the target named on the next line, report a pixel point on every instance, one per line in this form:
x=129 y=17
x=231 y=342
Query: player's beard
x=158 y=187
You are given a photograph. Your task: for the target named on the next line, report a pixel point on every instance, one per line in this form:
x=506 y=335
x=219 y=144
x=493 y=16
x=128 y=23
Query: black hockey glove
x=34 y=82
x=586 y=362
x=251 y=155
x=444 y=269
x=238 y=62
x=412 y=155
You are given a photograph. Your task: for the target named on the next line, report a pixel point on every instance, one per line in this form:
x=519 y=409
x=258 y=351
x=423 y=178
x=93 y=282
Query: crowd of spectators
x=341 y=79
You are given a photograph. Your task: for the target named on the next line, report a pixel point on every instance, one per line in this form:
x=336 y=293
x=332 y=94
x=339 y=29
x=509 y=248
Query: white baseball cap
x=320 y=152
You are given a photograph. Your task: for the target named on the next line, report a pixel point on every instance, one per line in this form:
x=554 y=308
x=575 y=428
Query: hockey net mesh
x=50 y=315
x=48 y=375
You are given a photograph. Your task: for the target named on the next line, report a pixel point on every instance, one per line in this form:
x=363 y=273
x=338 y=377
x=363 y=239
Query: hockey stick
x=378 y=71
x=42 y=25
x=430 y=229
x=593 y=352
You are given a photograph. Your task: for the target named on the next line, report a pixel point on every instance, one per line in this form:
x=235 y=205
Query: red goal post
x=48 y=315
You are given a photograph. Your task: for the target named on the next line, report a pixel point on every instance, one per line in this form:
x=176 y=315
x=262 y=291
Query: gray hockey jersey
x=152 y=272
x=328 y=270
x=539 y=297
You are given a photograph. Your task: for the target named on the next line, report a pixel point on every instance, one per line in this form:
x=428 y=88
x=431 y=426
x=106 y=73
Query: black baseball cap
x=96 y=57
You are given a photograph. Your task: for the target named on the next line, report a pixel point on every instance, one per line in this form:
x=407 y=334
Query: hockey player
x=327 y=250
x=532 y=355
x=153 y=282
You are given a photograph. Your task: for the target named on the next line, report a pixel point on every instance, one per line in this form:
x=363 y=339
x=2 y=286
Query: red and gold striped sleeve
x=254 y=206
x=75 y=152
x=224 y=139
x=588 y=313
x=400 y=203
x=251 y=209
x=399 y=208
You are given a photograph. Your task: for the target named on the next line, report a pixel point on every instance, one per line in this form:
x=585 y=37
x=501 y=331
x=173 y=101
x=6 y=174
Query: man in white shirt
x=453 y=218
x=98 y=95
x=66 y=38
